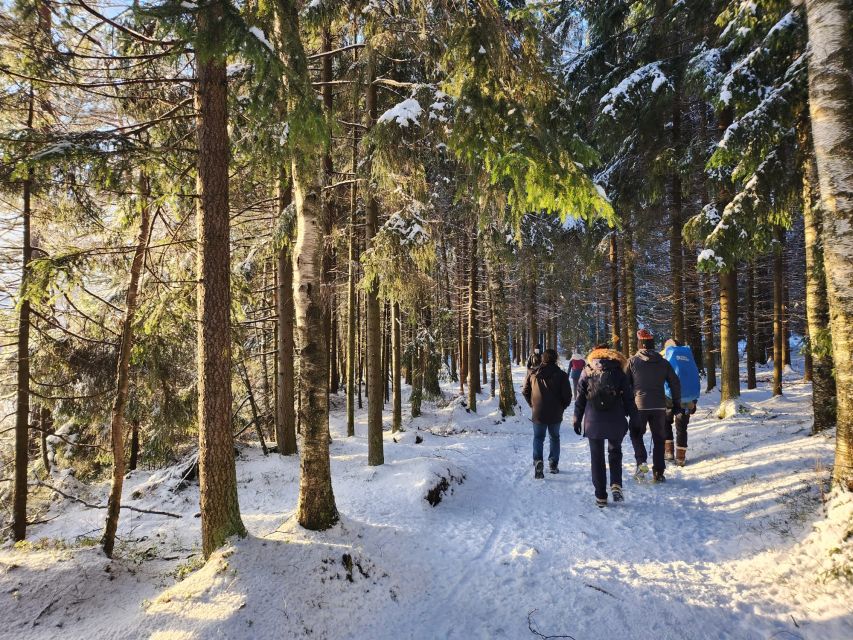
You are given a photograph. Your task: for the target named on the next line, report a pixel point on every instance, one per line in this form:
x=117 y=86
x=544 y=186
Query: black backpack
x=604 y=389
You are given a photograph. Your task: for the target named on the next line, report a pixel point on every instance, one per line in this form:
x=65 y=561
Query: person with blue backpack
x=681 y=359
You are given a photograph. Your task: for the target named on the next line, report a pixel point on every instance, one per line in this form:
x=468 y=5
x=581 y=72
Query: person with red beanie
x=648 y=373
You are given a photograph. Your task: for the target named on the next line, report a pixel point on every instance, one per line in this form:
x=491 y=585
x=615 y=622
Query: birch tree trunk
x=122 y=371
x=831 y=109
x=316 y=506
x=220 y=511
x=817 y=304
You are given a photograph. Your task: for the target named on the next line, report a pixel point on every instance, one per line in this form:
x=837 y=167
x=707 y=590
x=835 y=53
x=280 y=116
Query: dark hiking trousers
x=681 y=422
x=656 y=420
x=599 y=472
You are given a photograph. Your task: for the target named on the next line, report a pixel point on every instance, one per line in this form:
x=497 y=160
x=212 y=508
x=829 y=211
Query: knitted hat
x=643 y=334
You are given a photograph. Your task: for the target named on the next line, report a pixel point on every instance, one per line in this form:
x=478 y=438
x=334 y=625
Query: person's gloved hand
x=577 y=426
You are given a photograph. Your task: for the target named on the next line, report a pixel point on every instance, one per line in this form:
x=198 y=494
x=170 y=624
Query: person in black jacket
x=548 y=392
x=648 y=371
x=605 y=399
x=535 y=358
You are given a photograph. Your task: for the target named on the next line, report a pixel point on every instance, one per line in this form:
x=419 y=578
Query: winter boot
x=552 y=467
x=601 y=502
x=538 y=470
x=642 y=470
x=680 y=456
x=658 y=476
x=616 y=492
x=668 y=451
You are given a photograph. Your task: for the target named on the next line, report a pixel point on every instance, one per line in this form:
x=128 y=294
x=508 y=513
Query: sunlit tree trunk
x=123 y=369
x=501 y=355
x=396 y=369
x=778 y=274
x=831 y=109
x=817 y=305
x=750 y=326
x=473 y=341
x=285 y=423
x=375 y=395
x=730 y=377
x=220 y=512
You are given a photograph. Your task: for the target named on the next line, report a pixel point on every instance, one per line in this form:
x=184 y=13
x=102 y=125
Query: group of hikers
x=613 y=396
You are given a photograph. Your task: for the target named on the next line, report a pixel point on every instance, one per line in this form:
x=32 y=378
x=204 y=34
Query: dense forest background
x=232 y=214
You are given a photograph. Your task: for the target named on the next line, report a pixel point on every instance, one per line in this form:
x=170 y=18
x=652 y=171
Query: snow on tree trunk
x=122 y=371
x=220 y=512
x=831 y=110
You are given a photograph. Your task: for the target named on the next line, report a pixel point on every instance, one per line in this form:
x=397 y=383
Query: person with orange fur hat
x=604 y=399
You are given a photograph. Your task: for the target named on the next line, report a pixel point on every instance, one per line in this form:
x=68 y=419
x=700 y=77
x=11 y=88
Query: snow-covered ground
x=742 y=543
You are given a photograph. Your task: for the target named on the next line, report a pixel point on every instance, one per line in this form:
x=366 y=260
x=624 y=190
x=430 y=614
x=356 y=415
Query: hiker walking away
x=547 y=391
x=535 y=358
x=649 y=372
x=604 y=400
x=576 y=365
x=681 y=359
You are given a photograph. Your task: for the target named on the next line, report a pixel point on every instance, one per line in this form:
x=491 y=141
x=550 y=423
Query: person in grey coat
x=604 y=400
x=648 y=371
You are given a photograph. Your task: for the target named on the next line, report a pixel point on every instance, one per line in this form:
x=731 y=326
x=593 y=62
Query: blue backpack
x=681 y=359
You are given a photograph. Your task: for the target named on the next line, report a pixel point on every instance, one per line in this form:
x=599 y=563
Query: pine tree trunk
x=750 y=326
x=285 y=422
x=352 y=301
x=630 y=290
x=22 y=409
x=396 y=369
x=134 y=446
x=817 y=305
x=501 y=356
x=47 y=428
x=473 y=342
x=675 y=239
x=220 y=511
x=708 y=333
x=778 y=359
x=623 y=303
x=614 y=293
x=533 y=306
x=375 y=404
x=122 y=371
x=692 y=319
x=730 y=382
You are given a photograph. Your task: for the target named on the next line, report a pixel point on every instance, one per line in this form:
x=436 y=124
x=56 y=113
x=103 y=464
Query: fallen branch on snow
x=536 y=632
x=39 y=483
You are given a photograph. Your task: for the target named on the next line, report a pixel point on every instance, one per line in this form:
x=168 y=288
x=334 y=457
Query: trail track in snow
x=722 y=550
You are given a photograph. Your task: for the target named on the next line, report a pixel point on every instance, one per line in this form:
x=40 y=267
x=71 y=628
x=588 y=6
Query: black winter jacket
x=648 y=371
x=612 y=424
x=548 y=392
